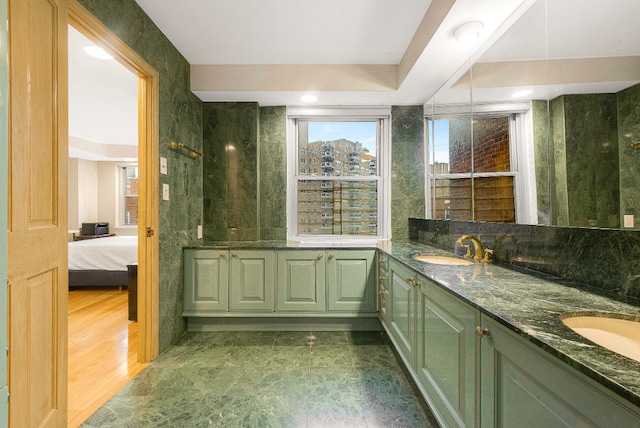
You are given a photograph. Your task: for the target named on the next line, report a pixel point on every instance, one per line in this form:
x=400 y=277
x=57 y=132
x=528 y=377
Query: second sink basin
x=613 y=332
x=443 y=260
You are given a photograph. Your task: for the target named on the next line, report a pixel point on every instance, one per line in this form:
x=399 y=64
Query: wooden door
x=37 y=213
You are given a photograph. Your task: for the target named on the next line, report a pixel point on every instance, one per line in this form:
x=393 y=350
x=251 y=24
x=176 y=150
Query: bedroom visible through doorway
x=103 y=226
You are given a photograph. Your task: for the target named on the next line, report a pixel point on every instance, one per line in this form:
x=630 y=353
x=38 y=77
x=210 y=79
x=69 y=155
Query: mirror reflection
x=542 y=125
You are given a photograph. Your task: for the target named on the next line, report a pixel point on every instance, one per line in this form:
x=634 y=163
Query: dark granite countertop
x=282 y=245
x=528 y=304
x=531 y=306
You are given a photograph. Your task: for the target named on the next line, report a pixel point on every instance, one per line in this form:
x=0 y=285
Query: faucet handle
x=468 y=247
x=488 y=255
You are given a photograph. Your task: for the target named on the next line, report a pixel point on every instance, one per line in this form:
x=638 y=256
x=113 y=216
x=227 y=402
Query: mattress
x=113 y=253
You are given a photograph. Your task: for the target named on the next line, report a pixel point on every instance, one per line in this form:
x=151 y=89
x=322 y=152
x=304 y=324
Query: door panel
x=252 y=284
x=301 y=281
x=37 y=223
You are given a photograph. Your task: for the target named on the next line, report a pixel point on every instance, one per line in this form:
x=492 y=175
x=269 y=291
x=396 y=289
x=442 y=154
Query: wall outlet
x=199 y=231
x=163 y=166
x=629 y=220
x=165 y=192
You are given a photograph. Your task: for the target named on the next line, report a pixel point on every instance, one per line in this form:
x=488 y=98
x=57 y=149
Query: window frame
x=121 y=203
x=382 y=115
x=520 y=147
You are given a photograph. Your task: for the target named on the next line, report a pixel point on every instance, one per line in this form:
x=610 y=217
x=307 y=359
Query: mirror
x=574 y=137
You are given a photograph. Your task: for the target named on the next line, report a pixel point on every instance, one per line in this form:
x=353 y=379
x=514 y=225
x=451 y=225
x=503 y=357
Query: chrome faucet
x=480 y=253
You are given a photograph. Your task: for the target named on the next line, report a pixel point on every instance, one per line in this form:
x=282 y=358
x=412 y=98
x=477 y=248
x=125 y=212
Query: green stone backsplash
x=606 y=259
x=180 y=119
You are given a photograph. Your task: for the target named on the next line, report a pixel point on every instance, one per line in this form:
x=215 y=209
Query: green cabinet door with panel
x=383 y=287
x=301 y=281
x=206 y=281
x=402 y=310
x=447 y=354
x=522 y=386
x=351 y=281
x=252 y=281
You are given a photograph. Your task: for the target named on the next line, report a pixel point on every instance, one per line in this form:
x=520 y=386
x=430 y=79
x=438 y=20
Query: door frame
x=148 y=112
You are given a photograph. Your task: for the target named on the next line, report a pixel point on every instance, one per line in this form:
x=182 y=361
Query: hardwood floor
x=102 y=349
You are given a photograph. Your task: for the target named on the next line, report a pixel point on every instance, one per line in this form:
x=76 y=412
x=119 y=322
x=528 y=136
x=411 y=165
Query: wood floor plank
x=102 y=349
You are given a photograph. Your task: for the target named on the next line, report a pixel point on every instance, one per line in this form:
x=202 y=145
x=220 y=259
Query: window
x=344 y=195
x=128 y=215
x=477 y=167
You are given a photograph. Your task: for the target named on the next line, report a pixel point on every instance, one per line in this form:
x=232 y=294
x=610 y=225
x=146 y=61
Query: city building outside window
x=478 y=169
x=344 y=196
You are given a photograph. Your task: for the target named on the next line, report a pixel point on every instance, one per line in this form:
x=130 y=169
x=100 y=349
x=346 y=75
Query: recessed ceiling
x=356 y=52
x=103 y=106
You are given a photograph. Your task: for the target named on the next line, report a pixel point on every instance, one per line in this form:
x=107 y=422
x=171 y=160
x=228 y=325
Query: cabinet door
x=252 y=281
x=383 y=286
x=402 y=319
x=206 y=282
x=301 y=276
x=351 y=281
x=447 y=354
x=521 y=386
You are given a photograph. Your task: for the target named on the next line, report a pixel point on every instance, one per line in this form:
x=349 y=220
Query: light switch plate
x=165 y=192
x=629 y=220
x=163 y=166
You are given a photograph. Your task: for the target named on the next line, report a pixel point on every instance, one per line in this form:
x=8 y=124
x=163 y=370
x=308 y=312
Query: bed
x=102 y=261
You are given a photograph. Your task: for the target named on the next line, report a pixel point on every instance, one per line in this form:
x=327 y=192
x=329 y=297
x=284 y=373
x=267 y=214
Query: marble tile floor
x=270 y=379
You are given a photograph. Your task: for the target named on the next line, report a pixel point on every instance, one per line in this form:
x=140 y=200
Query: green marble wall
x=542 y=159
x=180 y=119
x=558 y=159
x=272 y=173
x=230 y=191
x=628 y=133
x=585 y=136
x=407 y=168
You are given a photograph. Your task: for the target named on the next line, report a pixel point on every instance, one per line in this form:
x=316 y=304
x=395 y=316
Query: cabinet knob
x=417 y=283
x=381 y=261
x=409 y=279
x=234 y=255
x=382 y=278
x=223 y=255
x=319 y=256
x=382 y=292
x=331 y=255
x=482 y=331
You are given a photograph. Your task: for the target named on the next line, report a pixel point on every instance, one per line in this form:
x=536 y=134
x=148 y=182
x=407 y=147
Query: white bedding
x=112 y=253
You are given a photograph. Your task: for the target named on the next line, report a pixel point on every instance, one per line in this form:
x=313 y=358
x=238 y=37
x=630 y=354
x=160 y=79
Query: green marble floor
x=270 y=379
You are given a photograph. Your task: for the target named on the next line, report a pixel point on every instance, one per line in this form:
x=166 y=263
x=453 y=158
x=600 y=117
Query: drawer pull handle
x=482 y=331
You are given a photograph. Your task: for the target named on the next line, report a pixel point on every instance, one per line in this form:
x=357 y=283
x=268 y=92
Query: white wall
x=93 y=195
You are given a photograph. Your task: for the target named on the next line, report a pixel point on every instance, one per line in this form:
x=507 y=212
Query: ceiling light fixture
x=522 y=93
x=309 y=98
x=97 y=52
x=469 y=32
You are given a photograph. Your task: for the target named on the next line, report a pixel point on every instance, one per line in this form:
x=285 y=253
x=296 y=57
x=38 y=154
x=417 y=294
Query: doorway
x=147 y=161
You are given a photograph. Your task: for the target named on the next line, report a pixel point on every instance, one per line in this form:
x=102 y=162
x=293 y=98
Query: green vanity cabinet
x=383 y=287
x=206 y=281
x=447 y=354
x=351 y=281
x=252 y=281
x=301 y=281
x=402 y=310
x=522 y=386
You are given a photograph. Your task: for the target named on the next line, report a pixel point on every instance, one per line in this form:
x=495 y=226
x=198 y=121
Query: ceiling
x=356 y=52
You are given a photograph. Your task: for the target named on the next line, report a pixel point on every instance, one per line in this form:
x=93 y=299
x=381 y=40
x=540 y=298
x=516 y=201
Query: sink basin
x=443 y=260
x=613 y=332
